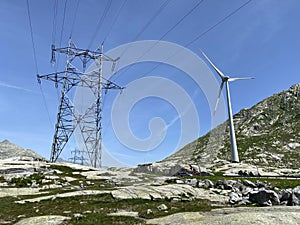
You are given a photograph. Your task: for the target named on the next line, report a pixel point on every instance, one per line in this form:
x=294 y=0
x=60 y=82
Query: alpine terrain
x=268 y=134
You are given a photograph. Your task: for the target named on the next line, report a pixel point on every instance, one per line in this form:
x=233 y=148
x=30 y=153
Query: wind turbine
x=226 y=80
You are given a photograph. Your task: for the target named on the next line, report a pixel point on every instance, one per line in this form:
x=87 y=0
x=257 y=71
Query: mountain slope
x=9 y=150
x=268 y=134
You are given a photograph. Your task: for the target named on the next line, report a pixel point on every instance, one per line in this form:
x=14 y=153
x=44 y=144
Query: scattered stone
x=285 y=196
x=149 y=211
x=234 y=198
x=124 y=213
x=176 y=200
x=296 y=196
x=78 y=216
x=248 y=183
x=67 y=212
x=177 y=181
x=208 y=183
x=21 y=216
x=87 y=212
x=162 y=207
x=192 y=182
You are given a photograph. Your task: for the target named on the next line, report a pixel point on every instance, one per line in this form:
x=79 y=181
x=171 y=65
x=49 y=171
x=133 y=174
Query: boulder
x=285 y=196
x=264 y=197
x=248 y=183
x=208 y=183
x=296 y=196
x=234 y=198
x=192 y=182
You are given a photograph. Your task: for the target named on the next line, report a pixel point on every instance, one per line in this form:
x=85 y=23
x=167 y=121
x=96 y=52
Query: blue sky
x=260 y=40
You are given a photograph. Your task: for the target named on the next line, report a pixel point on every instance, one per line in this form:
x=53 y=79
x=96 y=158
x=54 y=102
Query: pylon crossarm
x=73 y=51
x=110 y=85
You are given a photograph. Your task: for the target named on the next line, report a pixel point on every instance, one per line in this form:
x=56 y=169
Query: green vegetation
x=67 y=171
x=27 y=181
x=95 y=209
x=2 y=179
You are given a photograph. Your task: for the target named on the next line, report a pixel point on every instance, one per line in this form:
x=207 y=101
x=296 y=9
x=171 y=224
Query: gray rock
x=225 y=184
x=208 y=183
x=177 y=181
x=44 y=220
x=246 y=191
x=285 y=195
x=162 y=207
x=245 y=201
x=260 y=184
x=264 y=197
x=296 y=196
x=235 y=215
x=149 y=211
x=78 y=216
x=234 y=198
x=296 y=191
x=192 y=182
x=200 y=184
x=229 y=184
x=248 y=183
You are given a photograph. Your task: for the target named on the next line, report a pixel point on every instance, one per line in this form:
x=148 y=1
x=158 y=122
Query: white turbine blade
x=219 y=95
x=216 y=69
x=242 y=78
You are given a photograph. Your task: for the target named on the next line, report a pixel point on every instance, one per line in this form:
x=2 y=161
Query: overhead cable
x=32 y=40
x=115 y=20
x=100 y=22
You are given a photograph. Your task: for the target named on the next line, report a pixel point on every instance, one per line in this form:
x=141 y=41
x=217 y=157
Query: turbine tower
x=226 y=80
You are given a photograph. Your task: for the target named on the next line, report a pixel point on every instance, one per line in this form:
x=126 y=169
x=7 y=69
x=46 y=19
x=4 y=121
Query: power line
x=186 y=15
x=115 y=20
x=152 y=19
x=45 y=104
x=35 y=58
x=201 y=35
x=53 y=60
x=74 y=20
x=165 y=34
x=63 y=22
x=218 y=23
x=100 y=22
x=54 y=22
x=32 y=40
x=147 y=24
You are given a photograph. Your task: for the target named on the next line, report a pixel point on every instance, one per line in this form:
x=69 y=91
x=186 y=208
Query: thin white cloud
x=6 y=85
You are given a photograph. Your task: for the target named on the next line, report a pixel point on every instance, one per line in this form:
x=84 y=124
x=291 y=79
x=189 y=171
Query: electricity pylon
x=89 y=122
x=77 y=156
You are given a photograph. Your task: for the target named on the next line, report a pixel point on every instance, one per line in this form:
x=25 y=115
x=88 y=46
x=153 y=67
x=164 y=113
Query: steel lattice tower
x=67 y=120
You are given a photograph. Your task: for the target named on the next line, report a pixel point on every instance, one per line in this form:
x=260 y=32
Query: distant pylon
x=77 y=156
x=89 y=122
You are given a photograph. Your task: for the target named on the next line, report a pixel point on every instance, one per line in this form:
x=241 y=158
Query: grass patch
x=27 y=181
x=98 y=206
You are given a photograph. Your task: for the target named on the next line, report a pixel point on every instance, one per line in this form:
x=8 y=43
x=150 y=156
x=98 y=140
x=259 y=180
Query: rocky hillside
x=268 y=134
x=9 y=150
